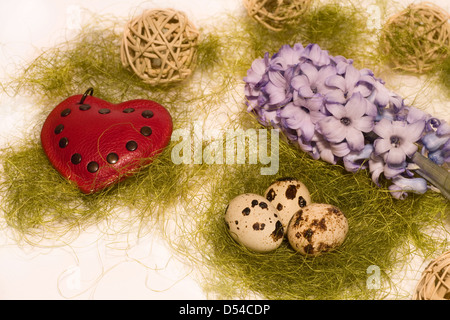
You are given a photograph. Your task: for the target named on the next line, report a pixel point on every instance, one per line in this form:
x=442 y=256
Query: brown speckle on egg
x=291 y=192
x=301 y=202
x=278 y=233
x=258 y=226
x=307 y=234
x=271 y=195
x=298 y=217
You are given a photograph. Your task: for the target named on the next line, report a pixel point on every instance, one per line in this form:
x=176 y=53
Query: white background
x=98 y=266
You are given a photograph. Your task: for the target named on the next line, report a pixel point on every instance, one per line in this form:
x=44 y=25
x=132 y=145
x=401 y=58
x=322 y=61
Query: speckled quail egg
x=253 y=222
x=287 y=195
x=317 y=228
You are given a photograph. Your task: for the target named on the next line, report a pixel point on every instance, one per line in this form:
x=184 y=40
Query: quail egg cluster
x=261 y=223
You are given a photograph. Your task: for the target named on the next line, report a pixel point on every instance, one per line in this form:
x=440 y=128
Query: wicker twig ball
x=417 y=38
x=160 y=46
x=435 y=281
x=273 y=14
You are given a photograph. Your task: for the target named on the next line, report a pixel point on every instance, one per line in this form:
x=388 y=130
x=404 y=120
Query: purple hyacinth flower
x=316 y=55
x=432 y=141
x=341 y=63
x=351 y=82
x=397 y=140
x=347 y=122
x=286 y=57
x=311 y=80
x=278 y=89
x=302 y=115
x=298 y=119
x=415 y=115
x=354 y=161
x=257 y=71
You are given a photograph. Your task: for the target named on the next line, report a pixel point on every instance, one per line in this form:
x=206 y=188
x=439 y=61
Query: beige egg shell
x=287 y=196
x=253 y=222
x=317 y=228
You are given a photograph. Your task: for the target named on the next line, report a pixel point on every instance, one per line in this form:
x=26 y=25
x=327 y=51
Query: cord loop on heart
x=89 y=91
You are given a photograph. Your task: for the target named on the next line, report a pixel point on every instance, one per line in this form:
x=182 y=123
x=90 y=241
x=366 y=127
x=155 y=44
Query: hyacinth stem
x=436 y=175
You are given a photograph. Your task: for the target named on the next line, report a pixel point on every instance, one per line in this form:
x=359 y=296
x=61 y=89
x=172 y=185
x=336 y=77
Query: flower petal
x=414 y=130
x=252 y=76
x=307 y=129
x=276 y=94
x=356 y=106
x=340 y=149
x=337 y=110
x=315 y=103
x=277 y=79
x=443 y=129
x=335 y=96
x=299 y=81
x=325 y=73
x=336 y=82
x=376 y=166
x=316 y=116
x=383 y=128
x=325 y=151
x=289 y=110
x=355 y=139
x=382 y=94
x=415 y=115
x=332 y=129
x=433 y=142
x=408 y=148
x=381 y=146
x=305 y=92
x=371 y=109
x=363 y=89
x=341 y=66
x=392 y=172
x=352 y=76
x=417 y=185
x=289 y=55
x=310 y=71
x=364 y=124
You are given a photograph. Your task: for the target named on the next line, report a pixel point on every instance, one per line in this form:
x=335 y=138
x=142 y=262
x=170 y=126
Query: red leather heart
x=95 y=143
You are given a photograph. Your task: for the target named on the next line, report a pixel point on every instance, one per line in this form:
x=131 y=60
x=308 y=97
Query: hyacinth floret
x=335 y=112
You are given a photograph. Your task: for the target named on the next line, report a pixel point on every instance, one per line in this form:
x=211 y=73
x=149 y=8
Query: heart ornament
x=95 y=143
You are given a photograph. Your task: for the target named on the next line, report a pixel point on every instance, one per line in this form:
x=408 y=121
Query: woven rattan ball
x=273 y=14
x=435 y=281
x=417 y=38
x=160 y=46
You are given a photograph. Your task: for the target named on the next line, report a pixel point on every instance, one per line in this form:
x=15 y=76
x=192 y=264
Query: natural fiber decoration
x=417 y=38
x=435 y=281
x=160 y=46
x=273 y=14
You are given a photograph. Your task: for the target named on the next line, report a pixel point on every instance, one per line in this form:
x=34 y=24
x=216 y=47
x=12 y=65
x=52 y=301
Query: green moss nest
x=36 y=201
x=381 y=231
